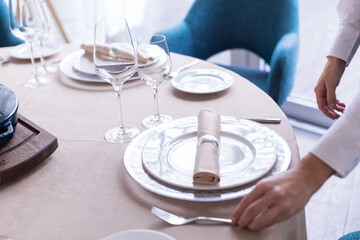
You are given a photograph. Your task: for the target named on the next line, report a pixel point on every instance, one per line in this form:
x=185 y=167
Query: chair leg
x=58 y=23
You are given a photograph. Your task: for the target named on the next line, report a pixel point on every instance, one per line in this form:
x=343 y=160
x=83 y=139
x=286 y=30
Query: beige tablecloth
x=83 y=190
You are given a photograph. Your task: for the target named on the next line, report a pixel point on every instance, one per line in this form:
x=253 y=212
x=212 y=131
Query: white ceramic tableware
x=202 y=81
x=139 y=234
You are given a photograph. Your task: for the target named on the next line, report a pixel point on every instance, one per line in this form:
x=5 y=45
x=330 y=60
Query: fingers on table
x=245 y=202
x=255 y=203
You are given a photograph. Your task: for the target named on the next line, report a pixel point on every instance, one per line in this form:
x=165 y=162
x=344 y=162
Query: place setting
x=206 y=158
x=79 y=65
x=202 y=158
x=33 y=24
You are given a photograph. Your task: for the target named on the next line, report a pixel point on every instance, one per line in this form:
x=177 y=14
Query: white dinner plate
x=245 y=154
x=139 y=234
x=134 y=166
x=203 y=81
x=84 y=64
x=23 y=52
x=66 y=66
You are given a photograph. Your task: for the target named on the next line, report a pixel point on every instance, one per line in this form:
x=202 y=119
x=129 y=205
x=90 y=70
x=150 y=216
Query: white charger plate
x=23 y=52
x=134 y=167
x=202 y=81
x=139 y=234
x=245 y=154
x=66 y=66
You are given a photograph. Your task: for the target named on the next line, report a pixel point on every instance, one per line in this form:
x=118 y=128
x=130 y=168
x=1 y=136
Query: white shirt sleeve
x=340 y=146
x=347 y=39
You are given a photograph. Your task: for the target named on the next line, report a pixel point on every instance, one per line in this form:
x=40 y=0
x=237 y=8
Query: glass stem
x=118 y=91
x=33 y=60
x=156 y=104
x=42 y=59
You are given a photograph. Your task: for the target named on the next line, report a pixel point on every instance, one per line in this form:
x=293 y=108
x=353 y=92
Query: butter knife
x=265 y=120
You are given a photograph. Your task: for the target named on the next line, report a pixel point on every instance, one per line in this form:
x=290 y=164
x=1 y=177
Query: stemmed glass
x=44 y=68
x=26 y=22
x=154 y=66
x=114 y=60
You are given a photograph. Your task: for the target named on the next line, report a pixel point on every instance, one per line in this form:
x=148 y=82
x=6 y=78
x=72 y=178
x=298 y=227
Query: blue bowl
x=9 y=105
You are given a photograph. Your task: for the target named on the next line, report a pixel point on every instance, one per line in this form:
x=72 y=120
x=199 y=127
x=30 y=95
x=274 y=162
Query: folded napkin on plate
x=206 y=169
x=120 y=52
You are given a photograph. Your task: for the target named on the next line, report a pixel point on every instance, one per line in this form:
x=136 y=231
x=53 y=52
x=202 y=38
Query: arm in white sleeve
x=340 y=146
x=347 y=39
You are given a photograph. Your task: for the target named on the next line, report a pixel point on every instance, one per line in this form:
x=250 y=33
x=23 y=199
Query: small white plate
x=66 y=66
x=139 y=234
x=23 y=52
x=202 y=81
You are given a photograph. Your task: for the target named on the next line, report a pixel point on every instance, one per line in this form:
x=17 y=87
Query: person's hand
x=279 y=197
x=326 y=86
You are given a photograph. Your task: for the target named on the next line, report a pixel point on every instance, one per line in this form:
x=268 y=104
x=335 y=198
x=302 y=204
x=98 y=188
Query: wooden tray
x=29 y=146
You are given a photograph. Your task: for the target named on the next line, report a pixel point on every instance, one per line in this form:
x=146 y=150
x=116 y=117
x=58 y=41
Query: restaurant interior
x=331 y=212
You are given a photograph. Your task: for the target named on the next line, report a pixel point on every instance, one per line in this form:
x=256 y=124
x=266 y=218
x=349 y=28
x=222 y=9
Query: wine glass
x=26 y=22
x=114 y=60
x=154 y=66
x=44 y=68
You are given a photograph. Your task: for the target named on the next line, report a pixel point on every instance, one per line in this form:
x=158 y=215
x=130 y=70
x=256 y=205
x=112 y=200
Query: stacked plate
x=162 y=159
x=80 y=67
x=23 y=52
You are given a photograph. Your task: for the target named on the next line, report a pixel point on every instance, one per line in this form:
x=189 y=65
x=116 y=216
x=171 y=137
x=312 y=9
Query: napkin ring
x=208 y=138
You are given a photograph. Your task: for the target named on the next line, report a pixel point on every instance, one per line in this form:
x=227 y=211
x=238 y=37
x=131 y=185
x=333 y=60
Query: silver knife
x=265 y=120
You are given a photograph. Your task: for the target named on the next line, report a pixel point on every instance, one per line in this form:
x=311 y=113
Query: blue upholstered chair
x=265 y=27
x=6 y=37
x=351 y=236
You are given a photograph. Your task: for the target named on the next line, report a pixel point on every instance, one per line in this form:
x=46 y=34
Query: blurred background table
x=83 y=190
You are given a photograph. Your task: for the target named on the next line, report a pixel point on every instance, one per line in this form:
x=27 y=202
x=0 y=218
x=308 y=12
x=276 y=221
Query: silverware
x=178 y=220
x=3 y=61
x=175 y=73
x=265 y=120
x=56 y=61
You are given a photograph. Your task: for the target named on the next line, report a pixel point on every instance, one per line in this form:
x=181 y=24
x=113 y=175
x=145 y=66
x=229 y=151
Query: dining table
x=83 y=190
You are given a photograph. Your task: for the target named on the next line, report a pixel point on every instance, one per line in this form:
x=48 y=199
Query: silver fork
x=178 y=220
x=175 y=73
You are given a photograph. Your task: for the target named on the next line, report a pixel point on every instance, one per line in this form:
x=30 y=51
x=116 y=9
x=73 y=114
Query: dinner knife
x=265 y=120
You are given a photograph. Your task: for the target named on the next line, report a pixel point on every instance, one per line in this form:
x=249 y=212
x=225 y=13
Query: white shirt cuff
x=346 y=43
x=340 y=146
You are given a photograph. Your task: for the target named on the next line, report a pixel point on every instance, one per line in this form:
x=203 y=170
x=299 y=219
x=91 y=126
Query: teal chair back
x=6 y=37
x=269 y=28
x=351 y=236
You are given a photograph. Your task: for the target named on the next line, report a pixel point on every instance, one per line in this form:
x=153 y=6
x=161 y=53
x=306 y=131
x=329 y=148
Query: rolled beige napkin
x=206 y=170
x=122 y=53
